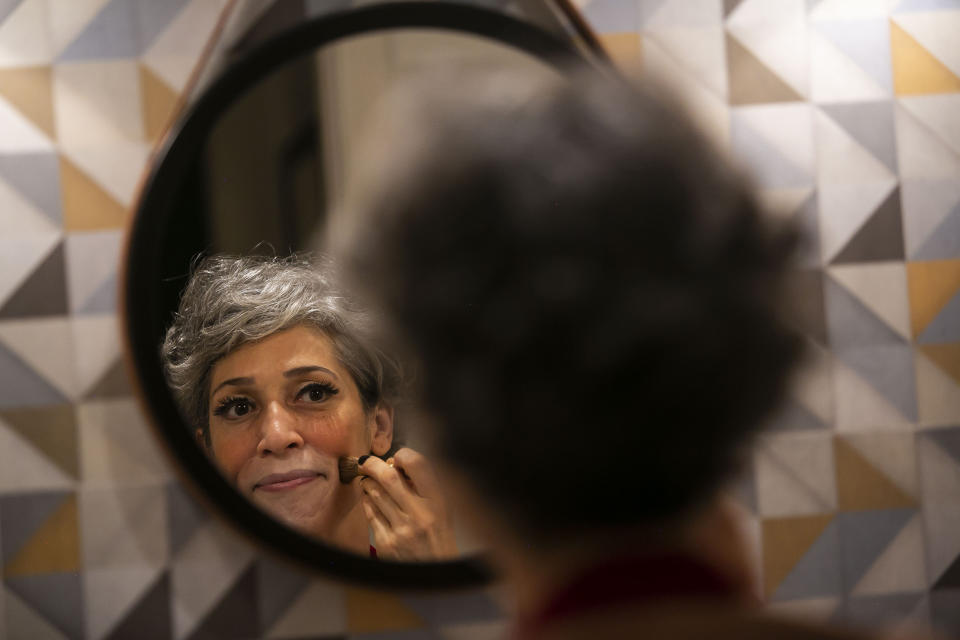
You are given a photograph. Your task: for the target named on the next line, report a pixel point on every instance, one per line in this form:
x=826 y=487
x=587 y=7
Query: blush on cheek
x=338 y=437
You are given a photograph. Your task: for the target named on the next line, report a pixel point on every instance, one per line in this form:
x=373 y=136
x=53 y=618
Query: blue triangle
x=888 y=368
x=111 y=34
x=22 y=386
x=770 y=168
x=58 y=597
x=864 y=535
x=944 y=242
x=153 y=17
x=818 y=571
x=22 y=514
x=946 y=326
x=7 y=7
x=104 y=299
x=871 y=124
x=927 y=5
x=867 y=43
x=31 y=174
x=612 y=16
x=850 y=323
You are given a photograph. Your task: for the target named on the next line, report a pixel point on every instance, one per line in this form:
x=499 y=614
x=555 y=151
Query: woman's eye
x=233 y=408
x=317 y=392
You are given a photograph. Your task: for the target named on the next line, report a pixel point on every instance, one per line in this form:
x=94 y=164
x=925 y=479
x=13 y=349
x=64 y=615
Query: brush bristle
x=349 y=469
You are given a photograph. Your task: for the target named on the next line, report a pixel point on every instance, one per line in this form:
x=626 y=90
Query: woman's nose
x=280 y=431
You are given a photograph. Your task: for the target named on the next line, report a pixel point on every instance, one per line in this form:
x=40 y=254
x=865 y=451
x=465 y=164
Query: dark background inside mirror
x=255 y=184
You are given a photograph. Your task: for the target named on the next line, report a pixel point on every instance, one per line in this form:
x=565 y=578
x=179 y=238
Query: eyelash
x=328 y=389
x=228 y=403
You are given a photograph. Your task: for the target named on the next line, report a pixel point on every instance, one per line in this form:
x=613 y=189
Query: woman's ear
x=201 y=441
x=381 y=430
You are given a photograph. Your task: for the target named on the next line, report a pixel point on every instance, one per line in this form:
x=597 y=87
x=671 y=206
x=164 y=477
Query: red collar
x=629 y=579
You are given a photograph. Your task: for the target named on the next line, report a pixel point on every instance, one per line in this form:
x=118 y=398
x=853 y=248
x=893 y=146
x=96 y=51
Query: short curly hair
x=232 y=300
x=590 y=287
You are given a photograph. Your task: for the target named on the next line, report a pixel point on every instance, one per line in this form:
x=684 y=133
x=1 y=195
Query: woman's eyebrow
x=233 y=381
x=298 y=371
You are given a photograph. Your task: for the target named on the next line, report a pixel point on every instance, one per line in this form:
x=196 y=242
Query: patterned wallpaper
x=847 y=110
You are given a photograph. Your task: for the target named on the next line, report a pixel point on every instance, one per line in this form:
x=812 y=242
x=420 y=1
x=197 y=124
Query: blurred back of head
x=590 y=289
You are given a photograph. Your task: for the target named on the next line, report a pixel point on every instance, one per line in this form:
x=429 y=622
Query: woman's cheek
x=337 y=435
x=232 y=452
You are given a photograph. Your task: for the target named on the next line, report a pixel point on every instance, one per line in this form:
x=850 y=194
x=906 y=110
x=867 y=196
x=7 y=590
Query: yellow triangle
x=369 y=611
x=159 y=103
x=860 y=485
x=54 y=548
x=785 y=540
x=916 y=70
x=86 y=205
x=945 y=356
x=52 y=430
x=623 y=48
x=30 y=90
x=932 y=285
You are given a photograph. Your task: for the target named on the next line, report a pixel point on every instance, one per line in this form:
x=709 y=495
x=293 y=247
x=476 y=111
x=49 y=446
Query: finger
x=382 y=535
x=375 y=492
x=392 y=482
x=419 y=471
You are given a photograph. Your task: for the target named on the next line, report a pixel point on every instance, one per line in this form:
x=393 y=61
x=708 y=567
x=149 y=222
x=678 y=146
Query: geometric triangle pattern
x=844 y=112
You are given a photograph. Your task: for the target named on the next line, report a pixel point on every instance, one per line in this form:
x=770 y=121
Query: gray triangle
x=871 y=124
x=945 y=611
x=807 y=288
x=794 y=416
x=111 y=34
x=729 y=6
x=43 y=293
x=888 y=368
x=818 y=571
x=153 y=17
x=864 y=535
x=31 y=174
x=944 y=242
x=612 y=16
x=184 y=516
x=278 y=587
x=22 y=514
x=948 y=439
x=850 y=323
x=104 y=299
x=58 y=597
x=879 y=610
x=946 y=326
x=22 y=385
x=150 y=618
x=770 y=168
x=808 y=217
x=880 y=239
x=7 y=7
x=866 y=42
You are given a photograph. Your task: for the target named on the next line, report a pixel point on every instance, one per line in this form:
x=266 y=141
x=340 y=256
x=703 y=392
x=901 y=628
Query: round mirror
x=272 y=423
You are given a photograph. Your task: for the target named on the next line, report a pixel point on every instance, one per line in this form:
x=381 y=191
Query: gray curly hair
x=231 y=300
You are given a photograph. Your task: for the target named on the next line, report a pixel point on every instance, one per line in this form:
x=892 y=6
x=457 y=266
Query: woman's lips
x=288 y=480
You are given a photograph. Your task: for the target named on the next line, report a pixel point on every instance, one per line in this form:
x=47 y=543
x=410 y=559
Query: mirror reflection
x=274 y=368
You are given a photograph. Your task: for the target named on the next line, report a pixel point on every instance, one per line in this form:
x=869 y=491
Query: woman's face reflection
x=282 y=411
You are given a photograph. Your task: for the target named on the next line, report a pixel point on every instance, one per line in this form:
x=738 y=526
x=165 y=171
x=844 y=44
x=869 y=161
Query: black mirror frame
x=170 y=164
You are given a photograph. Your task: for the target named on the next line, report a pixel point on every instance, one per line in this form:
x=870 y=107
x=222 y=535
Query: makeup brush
x=349 y=468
